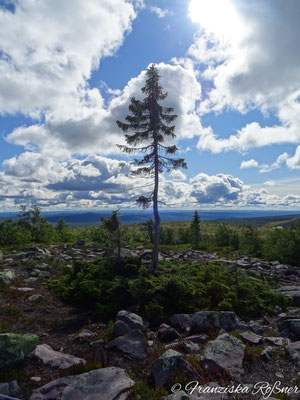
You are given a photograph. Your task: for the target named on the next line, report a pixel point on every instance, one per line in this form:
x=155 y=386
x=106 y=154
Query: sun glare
x=216 y=16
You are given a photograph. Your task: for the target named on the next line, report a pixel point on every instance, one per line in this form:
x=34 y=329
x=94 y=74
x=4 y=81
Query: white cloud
x=249 y=164
x=178 y=175
x=47 y=56
x=101 y=182
x=160 y=12
x=252 y=61
x=294 y=162
x=88 y=127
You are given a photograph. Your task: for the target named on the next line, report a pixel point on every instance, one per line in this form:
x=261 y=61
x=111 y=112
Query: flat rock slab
x=14 y=347
x=132 y=344
x=100 y=384
x=206 y=321
x=225 y=353
x=251 y=337
x=55 y=359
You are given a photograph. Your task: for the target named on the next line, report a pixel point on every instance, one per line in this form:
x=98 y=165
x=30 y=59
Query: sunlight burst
x=218 y=17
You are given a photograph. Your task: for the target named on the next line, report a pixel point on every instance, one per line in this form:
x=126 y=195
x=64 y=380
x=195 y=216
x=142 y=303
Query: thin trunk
x=155 y=211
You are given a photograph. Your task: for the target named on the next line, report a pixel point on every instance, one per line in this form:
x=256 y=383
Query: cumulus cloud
x=89 y=127
x=249 y=164
x=251 y=61
x=47 y=56
x=178 y=175
x=294 y=161
x=101 y=182
x=160 y=12
x=214 y=189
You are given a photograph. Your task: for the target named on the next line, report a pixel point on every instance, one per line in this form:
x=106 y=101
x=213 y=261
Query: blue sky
x=68 y=70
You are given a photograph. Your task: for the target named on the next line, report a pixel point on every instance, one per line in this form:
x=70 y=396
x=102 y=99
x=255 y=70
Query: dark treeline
x=272 y=243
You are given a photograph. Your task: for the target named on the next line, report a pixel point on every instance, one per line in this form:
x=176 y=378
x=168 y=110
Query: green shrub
x=283 y=245
x=108 y=286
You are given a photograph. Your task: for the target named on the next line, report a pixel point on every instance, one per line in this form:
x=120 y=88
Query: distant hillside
x=135 y=216
x=282 y=220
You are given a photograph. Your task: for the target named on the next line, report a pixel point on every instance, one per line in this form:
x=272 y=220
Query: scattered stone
x=189 y=347
x=201 y=338
x=279 y=375
x=132 y=344
x=291 y=291
x=14 y=347
x=23 y=289
x=178 y=396
x=293 y=350
x=205 y=321
x=55 y=359
x=100 y=356
x=10 y=389
x=151 y=335
x=290 y=328
x=126 y=322
x=278 y=341
x=35 y=298
x=120 y=329
x=31 y=279
x=166 y=333
x=42 y=267
x=251 y=337
x=40 y=274
x=266 y=354
x=101 y=384
x=84 y=335
x=36 y=379
x=97 y=343
x=182 y=321
x=226 y=353
x=7 y=276
x=169 y=364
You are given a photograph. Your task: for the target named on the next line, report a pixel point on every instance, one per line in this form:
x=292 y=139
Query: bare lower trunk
x=156 y=215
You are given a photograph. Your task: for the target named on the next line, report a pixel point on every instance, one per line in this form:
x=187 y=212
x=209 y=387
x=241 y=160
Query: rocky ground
x=58 y=352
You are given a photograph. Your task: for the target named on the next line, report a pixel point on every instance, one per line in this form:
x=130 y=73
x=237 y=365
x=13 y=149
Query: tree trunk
x=155 y=212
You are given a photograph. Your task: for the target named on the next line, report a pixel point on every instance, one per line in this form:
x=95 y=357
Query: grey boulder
x=166 y=333
x=291 y=291
x=181 y=321
x=224 y=353
x=126 y=322
x=100 y=384
x=206 y=321
x=132 y=344
x=170 y=364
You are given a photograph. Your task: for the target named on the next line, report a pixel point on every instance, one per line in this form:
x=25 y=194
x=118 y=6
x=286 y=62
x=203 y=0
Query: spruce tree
x=112 y=225
x=195 y=225
x=149 y=123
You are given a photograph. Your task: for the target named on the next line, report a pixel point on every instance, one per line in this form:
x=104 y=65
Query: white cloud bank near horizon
x=102 y=182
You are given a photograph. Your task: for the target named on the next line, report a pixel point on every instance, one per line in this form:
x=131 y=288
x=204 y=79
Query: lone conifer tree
x=150 y=122
x=195 y=225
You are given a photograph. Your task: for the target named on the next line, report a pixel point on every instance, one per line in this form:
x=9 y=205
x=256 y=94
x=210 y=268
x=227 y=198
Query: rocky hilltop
x=51 y=350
